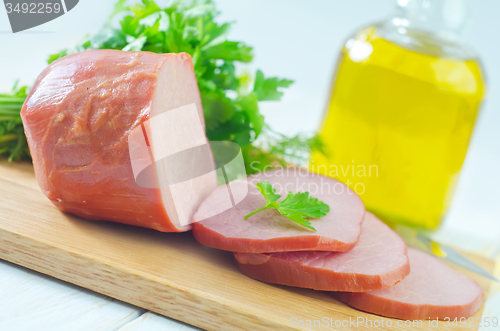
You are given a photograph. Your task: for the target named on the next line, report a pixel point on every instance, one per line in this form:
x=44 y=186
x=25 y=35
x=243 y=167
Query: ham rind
x=268 y=230
x=378 y=261
x=432 y=290
x=78 y=118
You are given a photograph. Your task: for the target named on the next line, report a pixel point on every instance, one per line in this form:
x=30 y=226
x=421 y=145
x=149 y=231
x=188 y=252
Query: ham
x=432 y=290
x=268 y=230
x=89 y=111
x=378 y=261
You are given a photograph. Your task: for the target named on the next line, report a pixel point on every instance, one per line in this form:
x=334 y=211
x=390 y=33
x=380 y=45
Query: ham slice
x=378 y=261
x=432 y=290
x=79 y=118
x=268 y=230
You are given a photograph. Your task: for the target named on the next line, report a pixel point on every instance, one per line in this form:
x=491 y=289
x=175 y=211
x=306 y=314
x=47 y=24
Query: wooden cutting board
x=170 y=274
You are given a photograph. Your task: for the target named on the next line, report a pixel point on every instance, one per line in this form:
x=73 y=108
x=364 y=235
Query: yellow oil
x=398 y=126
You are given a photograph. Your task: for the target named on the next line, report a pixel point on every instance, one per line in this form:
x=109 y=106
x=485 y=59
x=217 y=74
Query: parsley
x=231 y=111
x=12 y=139
x=295 y=206
x=230 y=99
x=276 y=149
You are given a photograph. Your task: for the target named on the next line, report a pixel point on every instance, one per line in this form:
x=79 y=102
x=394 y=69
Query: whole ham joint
x=78 y=118
x=268 y=230
x=432 y=290
x=378 y=261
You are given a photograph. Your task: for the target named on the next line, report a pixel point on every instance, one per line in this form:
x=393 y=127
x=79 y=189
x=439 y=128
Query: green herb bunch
x=230 y=100
x=13 y=142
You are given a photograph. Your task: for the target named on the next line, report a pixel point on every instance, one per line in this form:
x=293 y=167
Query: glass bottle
x=404 y=101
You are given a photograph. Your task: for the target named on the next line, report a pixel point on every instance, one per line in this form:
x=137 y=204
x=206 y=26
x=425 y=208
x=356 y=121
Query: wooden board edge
x=116 y=283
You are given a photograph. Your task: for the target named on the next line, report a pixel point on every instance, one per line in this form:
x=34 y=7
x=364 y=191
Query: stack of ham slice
x=353 y=254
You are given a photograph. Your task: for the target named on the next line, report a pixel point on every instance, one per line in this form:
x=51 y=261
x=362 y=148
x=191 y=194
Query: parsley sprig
x=296 y=206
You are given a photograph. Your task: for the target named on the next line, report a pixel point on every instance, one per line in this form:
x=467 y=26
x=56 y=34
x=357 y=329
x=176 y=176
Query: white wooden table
x=32 y=301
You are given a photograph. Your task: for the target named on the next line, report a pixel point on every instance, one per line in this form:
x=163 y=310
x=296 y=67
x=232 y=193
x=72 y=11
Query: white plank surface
x=32 y=301
x=154 y=322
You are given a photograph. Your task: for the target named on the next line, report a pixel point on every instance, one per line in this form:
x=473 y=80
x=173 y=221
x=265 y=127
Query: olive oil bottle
x=402 y=110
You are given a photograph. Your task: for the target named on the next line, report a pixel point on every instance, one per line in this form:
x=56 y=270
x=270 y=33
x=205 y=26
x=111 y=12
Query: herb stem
x=8 y=99
x=8 y=137
x=258 y=210
x=10 y=109
x=9 y=118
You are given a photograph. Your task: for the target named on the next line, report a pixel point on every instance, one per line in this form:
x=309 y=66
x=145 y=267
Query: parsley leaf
x=268 y=192
x=267 y=89
x=296 y=206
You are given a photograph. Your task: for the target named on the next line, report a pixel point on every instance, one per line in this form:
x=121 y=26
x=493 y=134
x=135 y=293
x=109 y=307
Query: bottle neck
x=446 y=19
x=430 y=26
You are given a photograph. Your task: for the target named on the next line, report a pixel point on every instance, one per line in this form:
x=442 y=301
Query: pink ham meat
x=378 y=261
x=268 y=230
x=432 y=290
x=78 y=117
